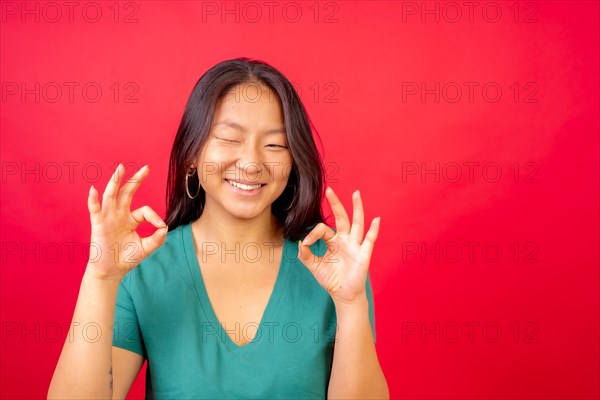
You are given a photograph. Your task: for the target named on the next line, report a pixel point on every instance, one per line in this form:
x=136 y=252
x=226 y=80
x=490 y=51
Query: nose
x=250 y=160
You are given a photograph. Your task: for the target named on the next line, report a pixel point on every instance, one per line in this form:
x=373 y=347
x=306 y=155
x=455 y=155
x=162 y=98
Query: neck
x=224 y=228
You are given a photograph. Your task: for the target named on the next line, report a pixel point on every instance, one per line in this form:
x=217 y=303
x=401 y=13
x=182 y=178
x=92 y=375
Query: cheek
x=285 y=171
x=216 y=154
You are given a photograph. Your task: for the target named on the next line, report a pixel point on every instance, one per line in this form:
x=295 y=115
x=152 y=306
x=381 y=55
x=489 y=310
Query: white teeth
x=244 y=187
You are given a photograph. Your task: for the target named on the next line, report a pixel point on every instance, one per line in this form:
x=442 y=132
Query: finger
x=93 y=204
x=358 y=218
x=145 y=213
x=112 y=187
x=309 y=260
x=319 y=231
x=369 y=242
x=126 y=193
x=341 y=217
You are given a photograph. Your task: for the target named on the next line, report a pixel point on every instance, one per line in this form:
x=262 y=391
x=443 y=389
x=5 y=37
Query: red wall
x=471 y=128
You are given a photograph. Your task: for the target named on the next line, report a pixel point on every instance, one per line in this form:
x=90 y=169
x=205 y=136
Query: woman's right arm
x=86 y=368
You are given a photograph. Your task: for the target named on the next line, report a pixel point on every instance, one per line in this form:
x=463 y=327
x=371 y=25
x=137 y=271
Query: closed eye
x=226 y=140
x=236 y=141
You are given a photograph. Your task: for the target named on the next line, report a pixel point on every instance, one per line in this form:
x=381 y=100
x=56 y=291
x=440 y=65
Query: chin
x=244 y=214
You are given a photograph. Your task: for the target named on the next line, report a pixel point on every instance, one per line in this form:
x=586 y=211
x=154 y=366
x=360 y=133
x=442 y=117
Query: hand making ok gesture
x=342 y=270
x=118 y=246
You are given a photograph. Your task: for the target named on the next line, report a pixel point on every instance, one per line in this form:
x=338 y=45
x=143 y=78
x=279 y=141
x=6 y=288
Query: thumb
x=309 y=260
x=154 y=241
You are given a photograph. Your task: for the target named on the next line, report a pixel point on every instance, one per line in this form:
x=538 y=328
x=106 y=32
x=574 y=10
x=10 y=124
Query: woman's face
x=245 y=163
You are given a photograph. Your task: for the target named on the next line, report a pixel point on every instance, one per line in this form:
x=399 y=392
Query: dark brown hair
x=306 y=179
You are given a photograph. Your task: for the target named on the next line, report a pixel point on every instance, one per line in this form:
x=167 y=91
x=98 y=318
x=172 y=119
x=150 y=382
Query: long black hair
x=305 y=187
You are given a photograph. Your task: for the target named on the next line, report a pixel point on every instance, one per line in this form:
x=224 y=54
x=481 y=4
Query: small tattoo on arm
x=111 y=379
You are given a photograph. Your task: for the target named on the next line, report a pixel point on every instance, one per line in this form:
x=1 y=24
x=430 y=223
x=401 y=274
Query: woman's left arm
x=356 y=373
x=342 y=271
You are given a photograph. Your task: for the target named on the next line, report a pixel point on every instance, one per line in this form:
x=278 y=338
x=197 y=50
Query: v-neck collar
x=209 y=313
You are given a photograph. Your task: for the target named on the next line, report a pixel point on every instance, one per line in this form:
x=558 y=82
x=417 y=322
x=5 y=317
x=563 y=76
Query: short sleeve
x=369 y=291
x=126 y=329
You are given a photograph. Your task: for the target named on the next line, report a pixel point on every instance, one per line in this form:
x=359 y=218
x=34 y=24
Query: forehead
x=252 y=92
x=250 y=104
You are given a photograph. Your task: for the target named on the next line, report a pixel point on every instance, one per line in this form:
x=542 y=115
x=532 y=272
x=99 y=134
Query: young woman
x=244 y=292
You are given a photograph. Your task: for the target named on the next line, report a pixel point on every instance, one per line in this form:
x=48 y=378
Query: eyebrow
x=237 y=126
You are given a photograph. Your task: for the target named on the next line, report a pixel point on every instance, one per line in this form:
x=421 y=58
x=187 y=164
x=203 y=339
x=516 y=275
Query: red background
x=355 y=64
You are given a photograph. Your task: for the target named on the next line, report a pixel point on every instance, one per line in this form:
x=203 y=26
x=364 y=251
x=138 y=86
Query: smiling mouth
x=244 y=186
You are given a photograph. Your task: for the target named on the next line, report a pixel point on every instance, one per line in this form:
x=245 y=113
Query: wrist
x=358 y=305
x=93 y=275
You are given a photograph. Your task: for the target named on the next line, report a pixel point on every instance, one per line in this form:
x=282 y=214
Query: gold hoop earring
x=293 y=199
x=187 y=190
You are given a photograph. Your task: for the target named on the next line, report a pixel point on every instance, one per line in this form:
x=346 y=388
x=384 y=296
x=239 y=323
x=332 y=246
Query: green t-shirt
x=164 y=314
